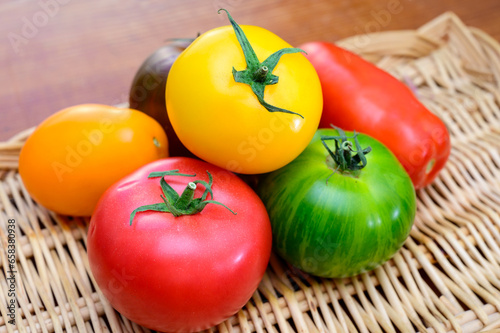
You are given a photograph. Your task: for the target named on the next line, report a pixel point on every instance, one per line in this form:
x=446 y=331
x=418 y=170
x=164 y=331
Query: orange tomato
x=77 y=153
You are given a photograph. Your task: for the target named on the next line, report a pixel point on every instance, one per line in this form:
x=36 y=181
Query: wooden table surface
x=58 y=53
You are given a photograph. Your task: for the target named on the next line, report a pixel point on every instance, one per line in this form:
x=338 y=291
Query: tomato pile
x=236 y=145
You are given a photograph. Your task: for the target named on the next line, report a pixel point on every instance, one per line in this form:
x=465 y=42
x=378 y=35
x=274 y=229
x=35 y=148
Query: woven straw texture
x=445 y=278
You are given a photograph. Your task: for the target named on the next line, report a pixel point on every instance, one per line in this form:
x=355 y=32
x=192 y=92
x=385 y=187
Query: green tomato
x=331 y=222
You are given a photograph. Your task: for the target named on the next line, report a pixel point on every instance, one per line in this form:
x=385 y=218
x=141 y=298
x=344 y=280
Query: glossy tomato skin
x=222 y=122
x=73 y=156
x=147 y=91
x=343 y=226
x=360 y=96
x=184 y=273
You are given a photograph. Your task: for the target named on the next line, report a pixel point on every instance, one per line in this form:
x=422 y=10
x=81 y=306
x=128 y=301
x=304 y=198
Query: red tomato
x=362 y=97
x=184 y=273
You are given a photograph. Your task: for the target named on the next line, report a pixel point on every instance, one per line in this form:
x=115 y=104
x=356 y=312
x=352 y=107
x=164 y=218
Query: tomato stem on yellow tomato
x=258 y=75
x=345 y=158
x=178 y=205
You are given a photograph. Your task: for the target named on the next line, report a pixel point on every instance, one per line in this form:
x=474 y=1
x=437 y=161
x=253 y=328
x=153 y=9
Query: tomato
x=360 y=96
x=74 y=155
x=147 y=91
x=185 y=272
x=250 y=120
x=335 y=221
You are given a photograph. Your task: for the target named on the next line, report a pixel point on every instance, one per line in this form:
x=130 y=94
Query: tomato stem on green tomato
x=178 y=205
x=345 y=158
x=258 y=75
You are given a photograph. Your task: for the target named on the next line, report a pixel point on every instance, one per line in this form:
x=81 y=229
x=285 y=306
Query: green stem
x=258 y=75
x=186 y=197
x=178 y=205
x=346 y=158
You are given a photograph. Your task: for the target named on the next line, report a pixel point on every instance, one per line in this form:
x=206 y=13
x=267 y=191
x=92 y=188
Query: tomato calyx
x=345 y=158
x=178 y=205
x=258 y=75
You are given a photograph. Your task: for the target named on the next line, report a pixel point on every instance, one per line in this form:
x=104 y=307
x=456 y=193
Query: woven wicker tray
x=445 y=278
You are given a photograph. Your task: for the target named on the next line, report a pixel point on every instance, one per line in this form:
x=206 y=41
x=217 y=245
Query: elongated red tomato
x=360 y=96
x=186 y=265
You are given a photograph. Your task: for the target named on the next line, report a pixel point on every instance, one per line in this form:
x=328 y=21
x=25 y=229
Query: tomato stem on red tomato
x=178 y=205
x=345 y=158
x=186 y=197
x=258 y=75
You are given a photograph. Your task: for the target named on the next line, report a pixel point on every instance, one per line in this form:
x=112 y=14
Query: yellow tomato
x=223 y=122
x=77 y=153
